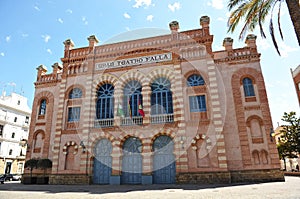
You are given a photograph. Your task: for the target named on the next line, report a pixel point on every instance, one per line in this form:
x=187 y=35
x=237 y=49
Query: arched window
x=161 y=97
x=195 y=80
x=105 y=102
x=132 y=98
x=248 y=87
x=75 y=93
x=43 y=105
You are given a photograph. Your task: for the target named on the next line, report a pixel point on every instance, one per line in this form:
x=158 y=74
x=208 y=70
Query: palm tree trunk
x=294 y=10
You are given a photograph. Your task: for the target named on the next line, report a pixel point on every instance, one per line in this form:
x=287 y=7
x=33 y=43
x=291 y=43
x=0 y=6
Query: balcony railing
x=104 y=123
x=129 y=121
x=163 y=118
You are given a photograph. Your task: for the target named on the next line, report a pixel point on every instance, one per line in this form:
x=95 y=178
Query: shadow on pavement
x=104 y=189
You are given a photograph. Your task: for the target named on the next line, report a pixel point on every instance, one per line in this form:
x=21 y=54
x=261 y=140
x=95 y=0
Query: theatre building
x=162 y=109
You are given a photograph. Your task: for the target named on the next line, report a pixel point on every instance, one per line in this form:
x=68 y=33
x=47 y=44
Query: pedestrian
x=297 y=167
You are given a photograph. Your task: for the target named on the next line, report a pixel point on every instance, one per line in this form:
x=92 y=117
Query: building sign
x=134 y=61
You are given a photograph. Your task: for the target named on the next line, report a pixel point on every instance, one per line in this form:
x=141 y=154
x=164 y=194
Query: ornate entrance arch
x=102 y=162
x=132 y=161
x=164 y=167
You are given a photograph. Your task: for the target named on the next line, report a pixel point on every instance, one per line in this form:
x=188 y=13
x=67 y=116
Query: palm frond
x=271 y=28
x=278 y=21
x=235 y=17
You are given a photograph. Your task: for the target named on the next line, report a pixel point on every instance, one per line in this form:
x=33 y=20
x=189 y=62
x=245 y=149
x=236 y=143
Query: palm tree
x=255 y=12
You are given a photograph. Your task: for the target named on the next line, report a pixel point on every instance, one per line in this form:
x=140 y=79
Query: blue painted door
x=102 y=162
x=164 y=167
x=132 y=161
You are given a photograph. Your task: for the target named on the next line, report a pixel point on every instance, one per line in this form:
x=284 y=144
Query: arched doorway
x=132 y=161
x=102 y=162
x=164 y=167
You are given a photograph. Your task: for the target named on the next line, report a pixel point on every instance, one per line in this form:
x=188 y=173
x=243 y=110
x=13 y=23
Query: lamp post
x=272 y=133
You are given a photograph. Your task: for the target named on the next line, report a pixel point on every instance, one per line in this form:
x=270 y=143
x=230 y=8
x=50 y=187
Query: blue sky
x=32 y=33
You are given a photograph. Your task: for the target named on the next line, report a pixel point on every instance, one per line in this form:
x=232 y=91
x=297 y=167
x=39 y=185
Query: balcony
x=100 y=123
x=163 y=118
x=129 y=121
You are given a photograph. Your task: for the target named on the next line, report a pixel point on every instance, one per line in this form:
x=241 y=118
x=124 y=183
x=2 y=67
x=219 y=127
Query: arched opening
x=164 y=167
x=102 y=162
x=132 y=161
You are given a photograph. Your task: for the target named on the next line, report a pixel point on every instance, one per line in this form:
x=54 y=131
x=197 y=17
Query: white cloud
x=126 y=15
x=220 y=19
x=84 y=20
x=150 y=17
x=127 y=28
x=49 y=51
x=145 y=3
x=262 y=44
x=8 y=38
x=217 y=4
x=174 y=7
x=285 y=49
x=24 y=35
x=37 y=8
x=11 y=84
x=69 y=11
x=60 y=20
x=2 y=54
x=46 y=38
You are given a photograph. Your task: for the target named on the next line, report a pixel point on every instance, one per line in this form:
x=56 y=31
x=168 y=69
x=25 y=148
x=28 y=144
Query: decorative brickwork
x=207 y=132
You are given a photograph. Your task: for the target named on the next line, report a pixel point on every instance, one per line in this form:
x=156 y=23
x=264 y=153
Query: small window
x=74 y=114
x=248 y=87
x=75 y=93
x=198 y=103
x=195 y=80
x=19 y=102
x=27 y=119
x=1 y=130
x=10 y=152
x=43 y=107
x=15 y=120
x=13 y=135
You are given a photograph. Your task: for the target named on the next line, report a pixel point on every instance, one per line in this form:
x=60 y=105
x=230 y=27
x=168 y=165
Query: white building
x=14 y=129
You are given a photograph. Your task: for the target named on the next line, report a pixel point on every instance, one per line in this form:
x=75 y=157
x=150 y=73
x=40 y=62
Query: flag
x=129 y=109
x=141 y=111
x=120 y=111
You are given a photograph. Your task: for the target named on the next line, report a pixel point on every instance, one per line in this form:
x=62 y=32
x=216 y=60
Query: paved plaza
x=288 y=189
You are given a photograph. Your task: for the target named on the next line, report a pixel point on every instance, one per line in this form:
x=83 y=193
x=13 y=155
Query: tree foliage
x=44 y=164
x=291 y=131
x=289 y=146
x=253 y=13
x=31 y=164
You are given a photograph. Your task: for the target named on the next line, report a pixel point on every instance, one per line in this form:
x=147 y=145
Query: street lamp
x=272 y=133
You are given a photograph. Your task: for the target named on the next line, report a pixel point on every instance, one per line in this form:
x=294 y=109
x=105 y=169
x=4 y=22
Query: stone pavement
x=288 y=189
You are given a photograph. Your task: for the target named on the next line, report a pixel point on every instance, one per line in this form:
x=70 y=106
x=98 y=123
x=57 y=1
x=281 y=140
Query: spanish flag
x=141 y=111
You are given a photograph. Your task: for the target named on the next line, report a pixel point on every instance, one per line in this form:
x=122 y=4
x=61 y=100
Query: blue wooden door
x=164 y=167
x=132 y=161
x=102 y=162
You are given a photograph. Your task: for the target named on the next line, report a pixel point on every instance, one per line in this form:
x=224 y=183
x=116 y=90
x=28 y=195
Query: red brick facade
x=296 y=79
x=225 y=141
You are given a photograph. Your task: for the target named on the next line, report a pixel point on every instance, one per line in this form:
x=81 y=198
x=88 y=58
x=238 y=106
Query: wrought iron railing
x=129 y=121
x=162 y=118
x=100 y=123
